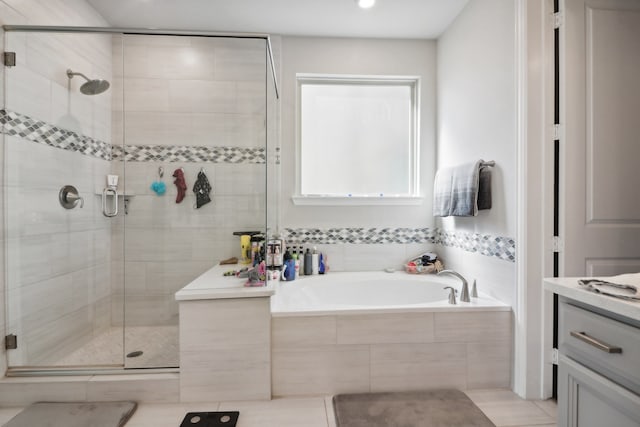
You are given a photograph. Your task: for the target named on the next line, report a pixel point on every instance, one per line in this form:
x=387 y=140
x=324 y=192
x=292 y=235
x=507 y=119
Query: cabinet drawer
x=587 y=399
x=587 y=337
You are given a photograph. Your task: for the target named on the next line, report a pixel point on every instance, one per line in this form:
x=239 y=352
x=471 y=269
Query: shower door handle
x=110 y=192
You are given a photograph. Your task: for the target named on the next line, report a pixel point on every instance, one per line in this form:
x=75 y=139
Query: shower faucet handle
x=69 y=197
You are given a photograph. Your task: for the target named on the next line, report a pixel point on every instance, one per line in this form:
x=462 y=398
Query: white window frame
x=413 y=197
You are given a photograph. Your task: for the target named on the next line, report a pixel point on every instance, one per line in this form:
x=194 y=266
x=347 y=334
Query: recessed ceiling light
x=366 y=4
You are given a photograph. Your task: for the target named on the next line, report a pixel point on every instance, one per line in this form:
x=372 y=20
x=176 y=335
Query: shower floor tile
x=159 y=346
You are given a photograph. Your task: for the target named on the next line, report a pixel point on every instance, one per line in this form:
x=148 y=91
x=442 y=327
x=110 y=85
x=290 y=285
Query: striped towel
x=462 y=190
x=625 y=286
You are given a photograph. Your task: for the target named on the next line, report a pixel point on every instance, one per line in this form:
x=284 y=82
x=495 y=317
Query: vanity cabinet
x=599 y=367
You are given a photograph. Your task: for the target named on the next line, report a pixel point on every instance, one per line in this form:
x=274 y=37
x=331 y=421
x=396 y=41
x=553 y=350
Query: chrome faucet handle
x=452 y=295
x=464 y=293
x=69 y=197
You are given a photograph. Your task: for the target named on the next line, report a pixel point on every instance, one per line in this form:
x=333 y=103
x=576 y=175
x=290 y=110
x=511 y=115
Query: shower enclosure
x=97 y=125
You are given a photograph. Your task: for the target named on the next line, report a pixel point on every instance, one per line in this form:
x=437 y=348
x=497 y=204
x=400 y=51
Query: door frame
x=533 y=323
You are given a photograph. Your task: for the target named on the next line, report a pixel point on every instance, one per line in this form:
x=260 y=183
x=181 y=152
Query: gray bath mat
x=434 y=408
x=80 y=414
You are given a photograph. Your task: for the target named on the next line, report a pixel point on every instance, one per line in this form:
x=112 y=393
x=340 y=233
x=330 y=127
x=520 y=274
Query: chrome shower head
x=91 y=87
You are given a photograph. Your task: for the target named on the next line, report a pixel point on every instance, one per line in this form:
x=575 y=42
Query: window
x=357 y=139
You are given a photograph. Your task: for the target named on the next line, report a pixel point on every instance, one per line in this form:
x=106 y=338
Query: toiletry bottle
x=277 y=256
x=321 y=265
x=270 y=263
x=257 y=258
x=308 y=261
x=314 y=261
x=289 y=269
x=296 y=260
x=301 y=261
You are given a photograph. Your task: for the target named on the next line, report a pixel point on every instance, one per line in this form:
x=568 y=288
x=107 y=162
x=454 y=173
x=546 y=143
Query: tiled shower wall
x=57 y=260
x=196 y=103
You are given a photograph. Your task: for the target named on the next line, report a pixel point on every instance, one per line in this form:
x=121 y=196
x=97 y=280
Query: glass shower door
x=194 y=117
x=57 y=155
x=129 y=162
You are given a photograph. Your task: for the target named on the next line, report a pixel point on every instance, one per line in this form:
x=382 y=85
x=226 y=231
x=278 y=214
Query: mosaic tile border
x=189 y=153
x=493 y=246
x=361 y=235
x=16 y=124
x=484 y=244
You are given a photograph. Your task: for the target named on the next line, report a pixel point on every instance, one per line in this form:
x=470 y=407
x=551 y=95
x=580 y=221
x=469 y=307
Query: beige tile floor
x=503 y=407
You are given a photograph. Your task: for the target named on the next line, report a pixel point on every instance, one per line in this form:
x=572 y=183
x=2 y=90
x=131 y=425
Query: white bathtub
x=372 y=292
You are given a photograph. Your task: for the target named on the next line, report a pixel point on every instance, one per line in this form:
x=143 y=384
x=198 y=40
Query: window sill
x=357 y=201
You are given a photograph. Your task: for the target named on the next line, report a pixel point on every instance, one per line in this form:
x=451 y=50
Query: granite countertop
x=568 y=287
x=213 y=285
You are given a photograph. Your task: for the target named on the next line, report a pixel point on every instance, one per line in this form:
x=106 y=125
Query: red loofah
x=180 y=184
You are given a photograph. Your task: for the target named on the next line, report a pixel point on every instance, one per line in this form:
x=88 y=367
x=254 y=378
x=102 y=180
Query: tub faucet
x=452 y=295
x=464 y=293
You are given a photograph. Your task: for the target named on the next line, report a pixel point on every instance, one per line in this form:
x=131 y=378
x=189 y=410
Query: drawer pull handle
x=596 y=343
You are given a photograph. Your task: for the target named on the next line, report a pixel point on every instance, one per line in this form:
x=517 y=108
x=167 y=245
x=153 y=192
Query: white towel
x=462 y=190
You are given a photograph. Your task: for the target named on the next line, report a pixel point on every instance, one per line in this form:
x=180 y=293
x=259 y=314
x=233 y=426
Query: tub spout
x=464 y=293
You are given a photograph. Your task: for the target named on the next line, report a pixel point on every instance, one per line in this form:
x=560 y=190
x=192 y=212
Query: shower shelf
x=127 y=196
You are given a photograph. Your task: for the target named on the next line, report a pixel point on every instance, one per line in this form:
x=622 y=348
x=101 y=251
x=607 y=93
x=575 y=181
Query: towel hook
x=160 y=171
x=489 y=163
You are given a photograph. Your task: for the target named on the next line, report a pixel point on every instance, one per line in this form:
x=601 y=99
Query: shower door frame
x=93 y=370
x=152 y=32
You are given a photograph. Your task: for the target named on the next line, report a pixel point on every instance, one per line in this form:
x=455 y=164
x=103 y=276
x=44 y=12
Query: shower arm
x=70 y=74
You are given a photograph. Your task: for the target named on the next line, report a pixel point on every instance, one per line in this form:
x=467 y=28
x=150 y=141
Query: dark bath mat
x=434 y=408
x=74 y=414
x=210 y=419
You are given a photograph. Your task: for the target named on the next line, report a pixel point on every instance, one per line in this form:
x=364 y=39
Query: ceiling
x=423 y=19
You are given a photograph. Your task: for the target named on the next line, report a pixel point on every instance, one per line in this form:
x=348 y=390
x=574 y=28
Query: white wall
x=361 y=57
x=477 y=120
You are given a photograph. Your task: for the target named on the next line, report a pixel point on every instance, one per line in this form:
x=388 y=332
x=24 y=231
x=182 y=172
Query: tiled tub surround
x=225 y=338
x=369 y=348
x=385 y=352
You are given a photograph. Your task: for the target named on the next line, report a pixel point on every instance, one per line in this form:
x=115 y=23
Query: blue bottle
x=290 y=270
